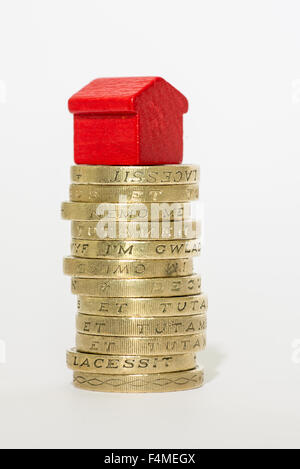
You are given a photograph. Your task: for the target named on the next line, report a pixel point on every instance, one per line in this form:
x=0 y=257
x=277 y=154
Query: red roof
x=105 y=95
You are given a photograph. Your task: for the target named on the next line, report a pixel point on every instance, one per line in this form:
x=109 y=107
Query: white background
x=238 y=64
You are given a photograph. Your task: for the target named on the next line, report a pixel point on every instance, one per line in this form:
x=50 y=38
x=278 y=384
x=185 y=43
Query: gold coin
x=158 y=382
x=124 y=365
x=125 y=212
x=192 y=343
x=95 y=230
x=138 y=327
x=136 y=288
x=142 y=268
x=133 y=194
x=143 y=307
x=136 y=175
x=111 y=249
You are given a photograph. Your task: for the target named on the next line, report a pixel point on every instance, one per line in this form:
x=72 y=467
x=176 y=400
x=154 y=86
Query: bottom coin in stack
x=157 y=382
x=127 y=364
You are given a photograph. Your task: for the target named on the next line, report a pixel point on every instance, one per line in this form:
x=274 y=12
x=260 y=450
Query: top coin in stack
x=136 y=175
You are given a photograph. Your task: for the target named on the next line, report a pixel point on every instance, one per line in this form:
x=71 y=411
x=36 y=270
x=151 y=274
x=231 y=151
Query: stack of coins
x=141 y=312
